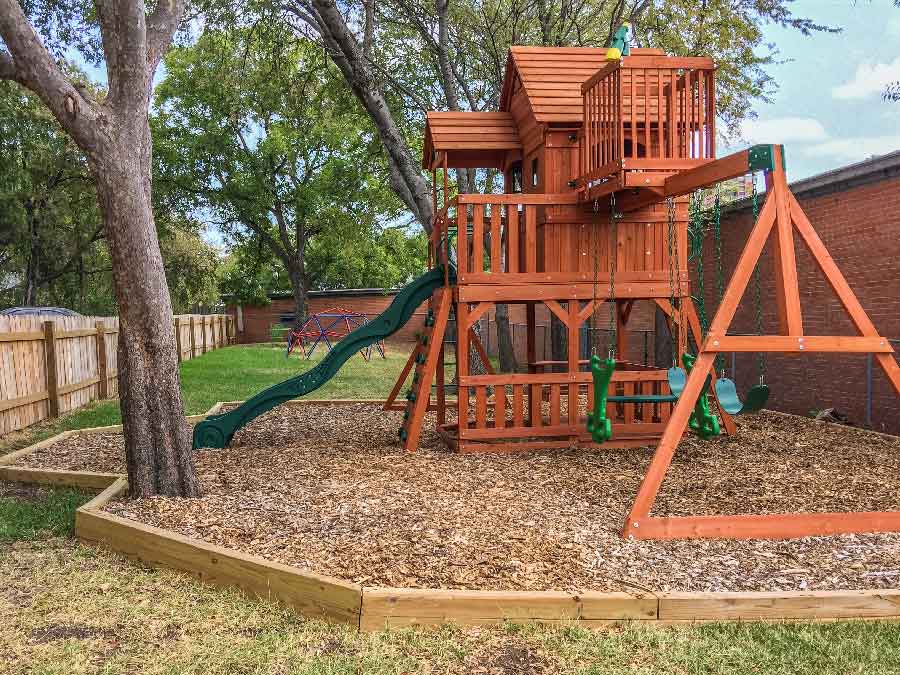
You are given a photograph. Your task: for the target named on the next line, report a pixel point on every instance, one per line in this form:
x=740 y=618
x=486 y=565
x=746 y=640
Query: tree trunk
x=157 y=435
x=505 y=348
x=558 y=343
x=301 y=294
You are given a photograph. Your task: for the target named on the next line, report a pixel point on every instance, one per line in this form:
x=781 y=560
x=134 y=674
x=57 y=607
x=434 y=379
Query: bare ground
x=326 y=488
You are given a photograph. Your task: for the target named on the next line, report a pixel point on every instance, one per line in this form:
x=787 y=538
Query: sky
x=828 y=110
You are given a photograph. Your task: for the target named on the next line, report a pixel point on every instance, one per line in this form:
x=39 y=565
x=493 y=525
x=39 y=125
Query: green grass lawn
x=237 y=373
x=67 y=608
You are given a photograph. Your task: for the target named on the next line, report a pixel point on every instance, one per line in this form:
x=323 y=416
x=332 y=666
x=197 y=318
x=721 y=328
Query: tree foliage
x=260 y=135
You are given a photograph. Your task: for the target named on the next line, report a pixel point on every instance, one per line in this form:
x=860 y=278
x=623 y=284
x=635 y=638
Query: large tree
x=263 y=137
x=114 y=133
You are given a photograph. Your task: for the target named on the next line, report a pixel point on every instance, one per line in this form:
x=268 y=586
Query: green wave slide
x=217 y=431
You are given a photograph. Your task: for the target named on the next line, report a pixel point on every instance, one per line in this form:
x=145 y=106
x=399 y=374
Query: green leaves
x=259 y=134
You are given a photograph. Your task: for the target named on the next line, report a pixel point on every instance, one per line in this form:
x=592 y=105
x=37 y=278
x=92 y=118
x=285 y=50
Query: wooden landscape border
x=375 y=608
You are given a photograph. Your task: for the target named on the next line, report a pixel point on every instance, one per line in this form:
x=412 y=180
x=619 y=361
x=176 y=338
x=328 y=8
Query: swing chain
x=757 y=289
x=673 y=262
x=720 y=272
x=696 y=224
x=613 y=255
x=595 y=246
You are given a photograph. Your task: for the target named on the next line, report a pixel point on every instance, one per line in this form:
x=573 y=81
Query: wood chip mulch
x=326 y=488
x=103 y=453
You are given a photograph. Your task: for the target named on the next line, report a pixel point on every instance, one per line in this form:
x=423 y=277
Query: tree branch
x=32 y=66
x=161 y=26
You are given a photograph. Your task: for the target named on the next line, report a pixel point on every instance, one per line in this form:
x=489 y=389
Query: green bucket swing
x=726 y=390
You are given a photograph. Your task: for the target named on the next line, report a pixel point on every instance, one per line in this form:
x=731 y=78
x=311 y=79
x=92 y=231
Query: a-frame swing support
x=780 y=217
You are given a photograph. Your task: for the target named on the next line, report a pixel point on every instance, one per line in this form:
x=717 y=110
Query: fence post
x=220 y=330
x=178 y=337
x=52 y=382
x=102 y=369
x=193 y=336
x=203 y=323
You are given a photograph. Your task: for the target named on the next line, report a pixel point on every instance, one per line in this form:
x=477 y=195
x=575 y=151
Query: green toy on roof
x=619 y=45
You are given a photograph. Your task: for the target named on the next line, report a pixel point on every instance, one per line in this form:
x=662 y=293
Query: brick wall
x=858 y=219
x=257 y=321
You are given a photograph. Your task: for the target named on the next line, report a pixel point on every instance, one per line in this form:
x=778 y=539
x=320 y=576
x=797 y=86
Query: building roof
x=470 y=139
x=552 y=78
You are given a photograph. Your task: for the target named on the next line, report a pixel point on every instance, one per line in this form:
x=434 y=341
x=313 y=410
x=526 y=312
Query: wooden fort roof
x=552 y=78
x=470 y=139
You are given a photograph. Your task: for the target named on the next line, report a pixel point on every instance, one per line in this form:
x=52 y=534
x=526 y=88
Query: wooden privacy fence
x=50 y=366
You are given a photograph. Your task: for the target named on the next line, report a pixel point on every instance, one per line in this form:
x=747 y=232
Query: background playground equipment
x=598 y=158
x=332 y=324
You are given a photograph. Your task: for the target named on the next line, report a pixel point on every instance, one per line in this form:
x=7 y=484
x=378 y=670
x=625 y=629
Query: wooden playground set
x=598 y=158
x=603 y=155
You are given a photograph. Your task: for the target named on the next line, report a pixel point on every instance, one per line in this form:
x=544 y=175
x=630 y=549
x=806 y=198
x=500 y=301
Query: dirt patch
x=327 y=488
x=57 y=632
x=23 y=492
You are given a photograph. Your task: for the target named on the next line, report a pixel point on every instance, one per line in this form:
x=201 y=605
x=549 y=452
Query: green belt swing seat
x=754 y=401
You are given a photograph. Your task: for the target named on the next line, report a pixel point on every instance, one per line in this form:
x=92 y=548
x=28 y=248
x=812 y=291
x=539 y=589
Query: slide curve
x=216 y=431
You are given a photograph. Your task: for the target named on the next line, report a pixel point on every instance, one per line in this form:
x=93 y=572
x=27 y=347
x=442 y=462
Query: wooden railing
x=492 y=234
x=537 y=405
x=650 y=113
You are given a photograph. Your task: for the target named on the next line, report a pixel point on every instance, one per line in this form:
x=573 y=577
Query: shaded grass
x=231 y=374
x=65 y=608
x=47 y=512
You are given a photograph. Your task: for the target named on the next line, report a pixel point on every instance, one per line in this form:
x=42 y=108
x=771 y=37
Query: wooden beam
x=801 y=343
x=767 y=526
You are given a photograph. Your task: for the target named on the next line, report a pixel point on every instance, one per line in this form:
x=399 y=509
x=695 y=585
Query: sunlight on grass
x=232 y=374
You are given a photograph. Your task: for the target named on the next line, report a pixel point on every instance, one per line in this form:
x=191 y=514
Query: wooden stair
x=426 y=357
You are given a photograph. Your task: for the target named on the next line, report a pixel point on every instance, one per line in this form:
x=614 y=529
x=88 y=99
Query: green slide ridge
x=217 y=431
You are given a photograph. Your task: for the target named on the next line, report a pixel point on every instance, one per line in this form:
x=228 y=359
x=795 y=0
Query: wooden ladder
x=427 y=353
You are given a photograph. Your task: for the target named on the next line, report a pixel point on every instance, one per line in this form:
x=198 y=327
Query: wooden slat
x=9 y=404
x=408 y=606
x=22 y=336
x=803 y=343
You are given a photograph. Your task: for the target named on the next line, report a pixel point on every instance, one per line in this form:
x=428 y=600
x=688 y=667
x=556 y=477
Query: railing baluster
x=530 y=238
x=462 y=238
x=478 y=239
x=500 y=406
x=512 y=238
x=518 y=406
x=481 y=407
x=496 y=237
x=534 y=401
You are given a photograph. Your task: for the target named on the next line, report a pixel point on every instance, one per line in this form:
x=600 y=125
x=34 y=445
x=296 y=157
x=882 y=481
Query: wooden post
x=531 y=336
x=102 y=370
x=52 y=381
x=178 y=337
x=192 y=325
x=203 y=322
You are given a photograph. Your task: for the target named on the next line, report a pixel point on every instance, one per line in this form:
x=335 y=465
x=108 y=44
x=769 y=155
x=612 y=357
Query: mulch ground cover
x=327 y=488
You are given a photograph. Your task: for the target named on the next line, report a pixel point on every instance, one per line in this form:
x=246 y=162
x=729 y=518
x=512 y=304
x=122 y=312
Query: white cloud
x=870 y=78
x=783 y=130
x=854 y=149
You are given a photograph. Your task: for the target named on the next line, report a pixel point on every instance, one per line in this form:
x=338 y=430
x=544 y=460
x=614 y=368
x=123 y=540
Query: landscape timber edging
x=374 y=608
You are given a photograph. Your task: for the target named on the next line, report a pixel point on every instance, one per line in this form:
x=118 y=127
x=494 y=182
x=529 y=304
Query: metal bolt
x=635 y=525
